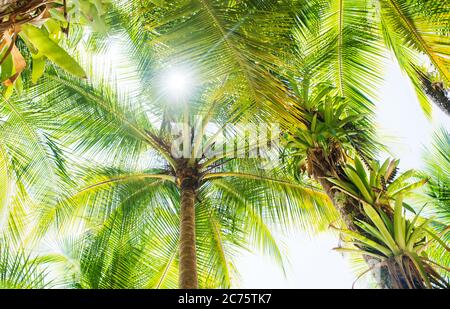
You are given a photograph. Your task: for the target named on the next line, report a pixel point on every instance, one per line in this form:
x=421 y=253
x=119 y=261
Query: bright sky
x=312 y=262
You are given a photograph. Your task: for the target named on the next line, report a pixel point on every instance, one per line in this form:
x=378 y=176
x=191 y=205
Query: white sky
x=406 y=131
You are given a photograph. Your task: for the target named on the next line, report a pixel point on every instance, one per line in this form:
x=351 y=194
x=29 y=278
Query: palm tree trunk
x=188 y=261
x=321 y=168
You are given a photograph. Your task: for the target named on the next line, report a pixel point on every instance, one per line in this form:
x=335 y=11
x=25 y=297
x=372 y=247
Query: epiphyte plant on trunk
x=393 y=240
x=341 y=44
x=322 y=140
x=400 y=246
x=328 y=126
x=377 y=184
x=322 y=145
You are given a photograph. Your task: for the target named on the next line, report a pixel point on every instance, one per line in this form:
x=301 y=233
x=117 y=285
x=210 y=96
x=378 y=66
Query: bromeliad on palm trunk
x=323 y=146
x=321 y=143
x=397 y=245
x=400 y=246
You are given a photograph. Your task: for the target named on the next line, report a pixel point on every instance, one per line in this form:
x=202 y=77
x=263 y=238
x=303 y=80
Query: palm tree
x=264 y=74
x=141 y=175
x=341 y=43
x=131 y=134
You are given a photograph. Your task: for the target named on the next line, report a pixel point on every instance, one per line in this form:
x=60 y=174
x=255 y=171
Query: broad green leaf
x=384 y=167
x=18 y=85
x=359 y=183
x=38 y=69
x=346 y=187
x=313 y=123
x=366 y=241
x=376 y=219
x=399 y=223
x=400 y=179
x=51 y=50
x=370 y=230
x=409 y=207
x=387 y=221
x=7 y=68
x=410 y=187
x=416 y=234
x=413 y=223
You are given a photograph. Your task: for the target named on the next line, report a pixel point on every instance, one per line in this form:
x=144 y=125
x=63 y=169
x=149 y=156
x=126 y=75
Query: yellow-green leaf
x=51 y=50
x=399 y=223
x=38 y=69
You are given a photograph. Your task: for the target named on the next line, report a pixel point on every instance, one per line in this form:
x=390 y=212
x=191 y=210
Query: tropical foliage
x=110 y=180
x=437 y=192
x=147 y=183
x=378 y=186
x=33 y=30
x=400 y=245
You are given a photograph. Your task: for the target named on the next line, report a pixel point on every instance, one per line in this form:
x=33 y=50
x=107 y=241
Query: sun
x=178 y=83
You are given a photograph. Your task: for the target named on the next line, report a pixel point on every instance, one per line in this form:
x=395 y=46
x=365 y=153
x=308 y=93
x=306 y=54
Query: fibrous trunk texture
x=321 y=167
x=435 y=90
x=188 y=261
